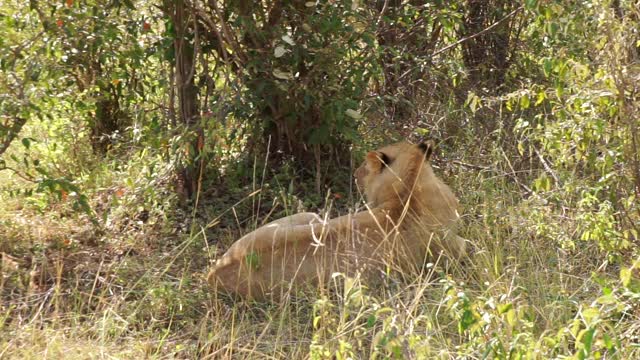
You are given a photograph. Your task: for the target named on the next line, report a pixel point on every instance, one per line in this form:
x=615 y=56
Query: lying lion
x=410 y=215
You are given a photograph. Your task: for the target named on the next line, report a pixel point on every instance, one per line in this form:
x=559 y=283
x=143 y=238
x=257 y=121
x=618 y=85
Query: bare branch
x=18 y=123
x=491 y=27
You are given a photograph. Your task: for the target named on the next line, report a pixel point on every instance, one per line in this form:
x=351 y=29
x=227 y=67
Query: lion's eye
x=385 y=159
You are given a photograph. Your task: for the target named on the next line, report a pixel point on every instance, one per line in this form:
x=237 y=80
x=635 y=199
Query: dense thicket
x=135 y=125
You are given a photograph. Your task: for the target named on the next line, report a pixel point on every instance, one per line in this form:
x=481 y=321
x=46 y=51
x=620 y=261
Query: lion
x=410 y=214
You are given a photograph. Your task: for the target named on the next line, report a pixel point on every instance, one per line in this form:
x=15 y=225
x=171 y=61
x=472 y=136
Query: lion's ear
x=427 y=148
x=377 y=160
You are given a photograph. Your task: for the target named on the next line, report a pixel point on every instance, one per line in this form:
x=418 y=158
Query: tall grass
x=135 y=289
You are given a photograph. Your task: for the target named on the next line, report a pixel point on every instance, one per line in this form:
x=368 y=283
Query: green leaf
x=466 y=320
x=503 y=308
x=129 y=4
x=553 y=29
x=559 y=89
x=547 y=66
x=473 y=102
x=625 y=276
x=354 y=114
x=608 y=342
x=524 y=101
x=371 y=321
x=282 y=75
x=540 y=98
x=606 y=299
x=590 y=314
x=587 y=340
x=531 y=4
x=253 y=260
x=279 y=51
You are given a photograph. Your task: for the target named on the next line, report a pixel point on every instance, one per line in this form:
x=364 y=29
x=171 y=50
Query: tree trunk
x=107 y=121
x=9 y=133
x=189 y=115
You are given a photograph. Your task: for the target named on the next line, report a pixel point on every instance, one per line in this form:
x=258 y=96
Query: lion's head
x=399 y=179
x=388 y=175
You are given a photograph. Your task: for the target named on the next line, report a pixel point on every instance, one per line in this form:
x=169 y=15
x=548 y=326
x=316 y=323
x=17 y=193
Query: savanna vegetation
x=139 y=139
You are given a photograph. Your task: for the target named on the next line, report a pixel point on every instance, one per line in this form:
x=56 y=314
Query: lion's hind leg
x=263 y=260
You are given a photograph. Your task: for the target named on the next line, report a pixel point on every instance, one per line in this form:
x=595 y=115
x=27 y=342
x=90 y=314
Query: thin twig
x=25 y=177
x=515 y=178
x=230 y=39
x=472 y=166
x=384 y=9
x=511 y=175
x=546 y=167
x=497 y=23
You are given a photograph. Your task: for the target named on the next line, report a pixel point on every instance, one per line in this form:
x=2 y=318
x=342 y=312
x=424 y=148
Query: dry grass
x=138 y=291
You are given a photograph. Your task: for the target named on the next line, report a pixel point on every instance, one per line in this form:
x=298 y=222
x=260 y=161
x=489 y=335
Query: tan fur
x=410 y=213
